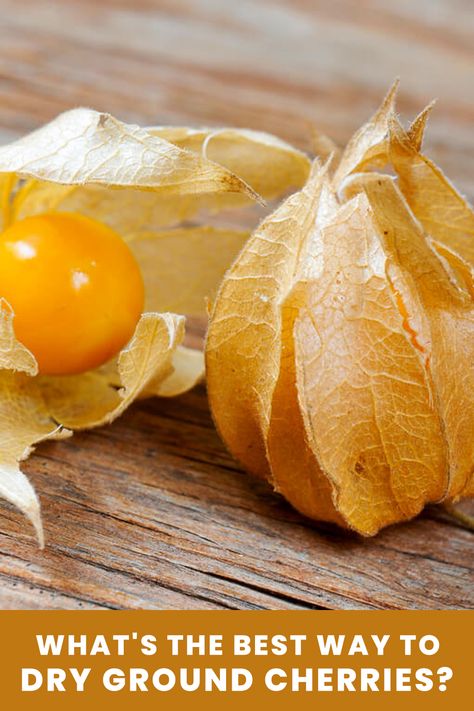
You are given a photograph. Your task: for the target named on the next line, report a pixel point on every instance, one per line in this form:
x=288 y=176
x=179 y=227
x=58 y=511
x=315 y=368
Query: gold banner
x=215 y=660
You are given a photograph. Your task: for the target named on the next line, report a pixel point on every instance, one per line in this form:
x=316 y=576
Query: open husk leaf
x=262 y=160
x=138 y=181
x=24 y=421
x=90 y=400
x=340 y=351
x=170 y=165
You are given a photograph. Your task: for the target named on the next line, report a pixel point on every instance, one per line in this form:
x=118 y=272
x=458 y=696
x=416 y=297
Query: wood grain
x=152 y=512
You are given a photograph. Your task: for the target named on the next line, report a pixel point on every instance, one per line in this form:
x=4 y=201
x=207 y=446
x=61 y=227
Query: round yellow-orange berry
x=75 y=288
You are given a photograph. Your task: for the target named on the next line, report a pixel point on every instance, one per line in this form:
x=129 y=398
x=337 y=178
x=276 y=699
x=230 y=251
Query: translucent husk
x=144 y=183
x=340 y=353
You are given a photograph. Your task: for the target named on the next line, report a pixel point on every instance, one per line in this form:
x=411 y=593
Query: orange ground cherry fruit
x=75 y=288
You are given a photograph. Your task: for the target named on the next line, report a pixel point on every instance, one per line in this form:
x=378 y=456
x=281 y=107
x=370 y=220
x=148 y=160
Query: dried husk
x=138 y=181
x=90 y=400
x=13 y=354
x=190 y=262
x=24 y=421
x=340 y=357
x=368 y=147
x=271 y=166
x=183 y=181
x=444 y=213
x=244 y=337
x=448 y=343
x=312 y=494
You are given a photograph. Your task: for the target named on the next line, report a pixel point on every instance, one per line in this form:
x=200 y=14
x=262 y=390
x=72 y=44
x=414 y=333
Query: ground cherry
x=75 y=288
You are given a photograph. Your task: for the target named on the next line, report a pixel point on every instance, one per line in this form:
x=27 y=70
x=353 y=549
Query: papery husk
x=7 y=183
x=188 y=370
x=183 y=267
x=13 y=354
x=289 y=450
x=86 y=146
x=24 y=421
x=45 y=407
x=134 y=180
x=416 y=130
x=461 y=270
x=324 y=148
x=368 y=148
x=89 y=162
x=349 y=388
x=181 y=181
x=244 y=339
x=271 y=166
x=444 y=213
x=125 y=210
x=363 y=383
x=340 y=349
x=91 y=400
x=449 y=310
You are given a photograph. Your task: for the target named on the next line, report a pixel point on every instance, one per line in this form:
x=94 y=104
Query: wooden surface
x=152 y=512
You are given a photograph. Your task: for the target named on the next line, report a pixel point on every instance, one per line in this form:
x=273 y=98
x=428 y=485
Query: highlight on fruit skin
x=340 y=350
x=99 y=190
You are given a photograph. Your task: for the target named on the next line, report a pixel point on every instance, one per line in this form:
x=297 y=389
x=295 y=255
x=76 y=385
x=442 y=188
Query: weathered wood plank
x=152 y=512
x=158 y=515
x=15 y=595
